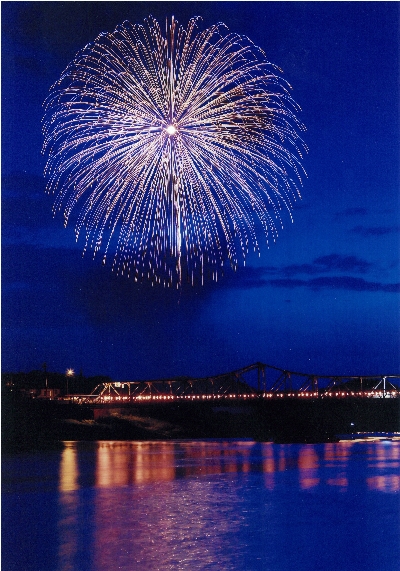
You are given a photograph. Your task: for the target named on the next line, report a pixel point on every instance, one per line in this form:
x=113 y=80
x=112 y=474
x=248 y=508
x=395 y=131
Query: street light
x=69 y=373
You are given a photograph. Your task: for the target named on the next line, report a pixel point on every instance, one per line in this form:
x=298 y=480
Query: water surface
x=202 y=505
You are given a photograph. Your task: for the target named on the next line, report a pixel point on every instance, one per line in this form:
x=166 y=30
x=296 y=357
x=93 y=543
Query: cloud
x=356 y=211
x=27 y=216
x=287 y=276
x=328 y=263
x=29 y=220
x=295 y=269
x=336 y=262
x=368 y=231
x=336 y=282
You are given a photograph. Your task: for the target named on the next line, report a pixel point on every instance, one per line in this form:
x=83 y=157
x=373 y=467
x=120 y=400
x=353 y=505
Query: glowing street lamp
x=69 y=373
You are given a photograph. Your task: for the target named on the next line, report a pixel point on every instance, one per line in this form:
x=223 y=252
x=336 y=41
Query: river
x=219 y=505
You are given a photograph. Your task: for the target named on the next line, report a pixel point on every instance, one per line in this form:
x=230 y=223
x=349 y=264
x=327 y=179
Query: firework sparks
x=176 y=150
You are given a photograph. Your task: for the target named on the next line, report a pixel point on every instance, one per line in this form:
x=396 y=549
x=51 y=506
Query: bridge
x=254 y=382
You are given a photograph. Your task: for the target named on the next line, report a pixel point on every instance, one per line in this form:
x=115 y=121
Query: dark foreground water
x=201 y=505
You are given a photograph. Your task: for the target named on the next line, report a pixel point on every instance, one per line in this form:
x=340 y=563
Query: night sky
x=324 y=299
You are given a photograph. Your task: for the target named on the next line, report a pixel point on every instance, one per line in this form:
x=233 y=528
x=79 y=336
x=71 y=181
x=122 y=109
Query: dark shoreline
x=36 y=425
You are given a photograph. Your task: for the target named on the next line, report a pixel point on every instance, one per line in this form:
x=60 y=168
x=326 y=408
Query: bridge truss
x=257 y=381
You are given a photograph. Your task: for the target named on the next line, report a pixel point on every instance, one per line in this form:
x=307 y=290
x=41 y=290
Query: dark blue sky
x=324 y=299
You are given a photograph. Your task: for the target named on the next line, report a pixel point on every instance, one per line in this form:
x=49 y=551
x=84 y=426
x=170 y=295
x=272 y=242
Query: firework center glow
x=171 y=130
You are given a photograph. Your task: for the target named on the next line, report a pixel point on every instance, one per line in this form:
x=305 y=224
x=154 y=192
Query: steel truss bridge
x=257 y=381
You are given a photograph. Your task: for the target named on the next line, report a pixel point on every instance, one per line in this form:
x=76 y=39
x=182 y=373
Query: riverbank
x=39 y=424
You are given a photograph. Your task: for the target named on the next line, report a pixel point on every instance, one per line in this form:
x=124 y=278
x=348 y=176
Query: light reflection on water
x=234 y=505
x=127 y=463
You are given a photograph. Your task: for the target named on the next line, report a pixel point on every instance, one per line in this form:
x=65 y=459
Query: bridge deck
x=257 y=381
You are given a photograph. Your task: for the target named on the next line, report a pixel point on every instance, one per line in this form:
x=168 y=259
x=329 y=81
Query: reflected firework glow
x=176 y=150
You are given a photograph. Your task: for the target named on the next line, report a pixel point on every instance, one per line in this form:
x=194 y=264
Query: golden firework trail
x=177 y=150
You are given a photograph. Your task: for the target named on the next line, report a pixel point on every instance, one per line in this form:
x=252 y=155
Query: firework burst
x=178 y=151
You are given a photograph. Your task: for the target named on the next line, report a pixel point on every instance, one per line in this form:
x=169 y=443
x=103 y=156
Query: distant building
x=48 y=393
x=30 y=393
